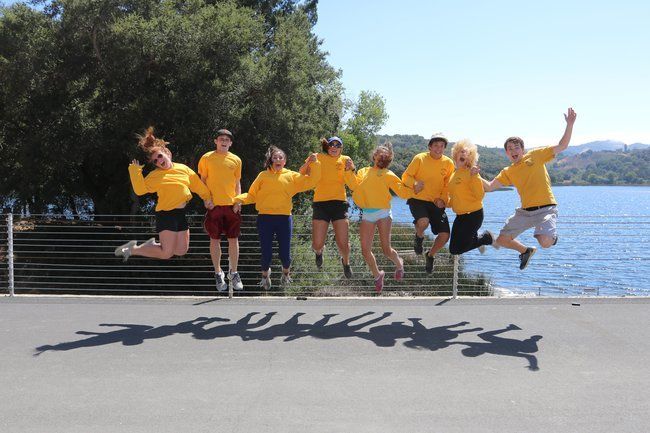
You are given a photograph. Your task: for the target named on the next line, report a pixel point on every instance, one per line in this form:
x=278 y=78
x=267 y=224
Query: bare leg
x=367 y=234
x=318 y=235
x=164 y=250
x=440 y=242
x=215 y=254
x=182 y=243
x=233 y=253
x=510 y=243
x=342 y=236
x=420 y=226
x=384 y=226
x=545 y=241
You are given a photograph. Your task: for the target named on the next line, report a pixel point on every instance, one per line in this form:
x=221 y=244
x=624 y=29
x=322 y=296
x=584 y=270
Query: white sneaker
x=285 y=280
x=235 y=281
x=220 y=282
x=266 y=282
x=151 y=241
x=125 y=250
x=494 y=240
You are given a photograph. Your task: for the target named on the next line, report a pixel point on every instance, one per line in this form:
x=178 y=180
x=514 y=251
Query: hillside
x=584 y=167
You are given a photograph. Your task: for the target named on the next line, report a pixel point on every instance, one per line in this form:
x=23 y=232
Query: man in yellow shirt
x=538 y=206
x=433 y=170
x=220 y=170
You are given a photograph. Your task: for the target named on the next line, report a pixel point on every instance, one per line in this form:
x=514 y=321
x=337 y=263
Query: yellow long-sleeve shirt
x=530 y=177
x=173 y=186
x=272 y=191
x=435 y=174
x=371 y=187
x=331 y=185
x=221 y=173
x=465 y=191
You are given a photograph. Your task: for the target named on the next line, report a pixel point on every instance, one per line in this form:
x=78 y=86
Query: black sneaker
x=526 y=256
x=319 y=260
x=417 y=245
x=429 y=266
x=347 y=270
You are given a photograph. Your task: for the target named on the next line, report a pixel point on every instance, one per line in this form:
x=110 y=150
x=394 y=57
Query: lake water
x=603 y=248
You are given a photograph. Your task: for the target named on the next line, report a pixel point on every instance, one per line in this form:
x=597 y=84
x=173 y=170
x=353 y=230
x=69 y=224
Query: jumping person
x=173 y=183
x=371 y=192
x=272 y=192
x=466 y=200
x=433 y=169
x=330 y=203
x=527 y=172
x=221 y=171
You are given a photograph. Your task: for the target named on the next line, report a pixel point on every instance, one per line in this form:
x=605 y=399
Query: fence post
x=454 y=284
x=10 y=251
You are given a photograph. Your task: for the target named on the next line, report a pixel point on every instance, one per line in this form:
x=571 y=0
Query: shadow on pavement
x=249 y=328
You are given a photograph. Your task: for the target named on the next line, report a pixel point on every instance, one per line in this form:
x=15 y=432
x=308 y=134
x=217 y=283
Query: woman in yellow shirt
x=272 y=192
x=330 y=203
x=372 y=187
x=466 y=200
x=173 y=183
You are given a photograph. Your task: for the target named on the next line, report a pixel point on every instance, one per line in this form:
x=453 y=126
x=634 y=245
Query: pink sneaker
x=379 y=282
x=399 y=274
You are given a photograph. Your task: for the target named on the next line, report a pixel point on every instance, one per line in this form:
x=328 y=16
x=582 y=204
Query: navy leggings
x=464 y=233
x=268 y=227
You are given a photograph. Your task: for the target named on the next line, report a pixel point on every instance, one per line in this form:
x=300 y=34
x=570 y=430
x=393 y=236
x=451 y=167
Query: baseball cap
x=225 y=132
x=335 y=138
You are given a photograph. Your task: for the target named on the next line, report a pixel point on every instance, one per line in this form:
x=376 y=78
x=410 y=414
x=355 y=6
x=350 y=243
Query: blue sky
x=486 y=70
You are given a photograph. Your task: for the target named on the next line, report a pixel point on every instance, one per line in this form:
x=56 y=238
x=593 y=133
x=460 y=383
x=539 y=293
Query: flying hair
x=386 y=154
x=472 y=151
x=150 y=144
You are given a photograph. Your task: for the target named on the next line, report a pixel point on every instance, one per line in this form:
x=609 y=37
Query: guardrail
x=57 y=254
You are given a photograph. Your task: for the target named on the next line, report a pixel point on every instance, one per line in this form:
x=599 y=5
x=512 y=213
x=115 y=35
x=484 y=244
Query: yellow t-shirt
x=221 y=172
x=272 y=191
x=173 y=186
x=331 y=185
x=371 y=187
x=465 y=192
x=530 y=177
x=435 y=174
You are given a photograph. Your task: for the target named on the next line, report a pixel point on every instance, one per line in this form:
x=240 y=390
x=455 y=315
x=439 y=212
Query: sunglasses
x=335 y=144
x=157 y=158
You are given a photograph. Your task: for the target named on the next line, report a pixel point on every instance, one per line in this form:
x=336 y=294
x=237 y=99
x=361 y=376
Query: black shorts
x=173 y=220
x=330 y=210
x=426 y=209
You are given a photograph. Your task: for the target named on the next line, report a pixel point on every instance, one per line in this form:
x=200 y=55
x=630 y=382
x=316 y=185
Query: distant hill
x=595 y=163
x=605 y=145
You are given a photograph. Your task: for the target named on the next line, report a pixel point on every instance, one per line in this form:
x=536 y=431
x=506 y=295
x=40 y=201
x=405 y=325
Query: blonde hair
x=149 y=143
x=472 y=151
x=387 y=147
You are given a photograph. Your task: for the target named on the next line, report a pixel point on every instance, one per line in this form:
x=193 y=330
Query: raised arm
x=140 y=186
x=570 y=118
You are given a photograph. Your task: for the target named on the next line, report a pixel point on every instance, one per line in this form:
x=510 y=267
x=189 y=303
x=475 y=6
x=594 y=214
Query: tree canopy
x=79 y=78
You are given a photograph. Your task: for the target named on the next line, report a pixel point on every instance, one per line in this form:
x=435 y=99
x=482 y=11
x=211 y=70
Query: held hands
x=208 y=204
x=475 y=170
x=570 y=116
x=418 y=186
x=349 y=165
x=313 y=157
x=439 y=203
x=236 y=208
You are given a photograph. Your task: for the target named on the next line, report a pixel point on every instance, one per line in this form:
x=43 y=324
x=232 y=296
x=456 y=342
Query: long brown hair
x=269 y=156
x=383 y=162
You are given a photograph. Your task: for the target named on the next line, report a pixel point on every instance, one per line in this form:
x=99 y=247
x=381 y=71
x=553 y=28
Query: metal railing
x=54 y=254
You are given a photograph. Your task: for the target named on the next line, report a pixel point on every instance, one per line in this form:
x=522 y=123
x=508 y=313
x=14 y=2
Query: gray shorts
x=544 y=220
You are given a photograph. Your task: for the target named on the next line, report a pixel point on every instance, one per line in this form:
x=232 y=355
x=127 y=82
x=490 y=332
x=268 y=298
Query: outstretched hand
x=136 y=163
x=570 y=116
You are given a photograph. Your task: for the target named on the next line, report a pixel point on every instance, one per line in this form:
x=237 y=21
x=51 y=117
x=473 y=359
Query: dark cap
x=225 y=132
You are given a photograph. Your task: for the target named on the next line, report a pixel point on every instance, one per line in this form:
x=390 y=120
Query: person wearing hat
x=538 y=206
x=220 y=169
x=432 y=169
x=330 y=203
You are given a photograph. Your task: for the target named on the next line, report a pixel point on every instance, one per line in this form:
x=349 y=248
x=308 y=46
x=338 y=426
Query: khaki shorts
x=544 y=220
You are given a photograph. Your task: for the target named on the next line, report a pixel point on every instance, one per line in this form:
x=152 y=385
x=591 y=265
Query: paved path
x=373 y=365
